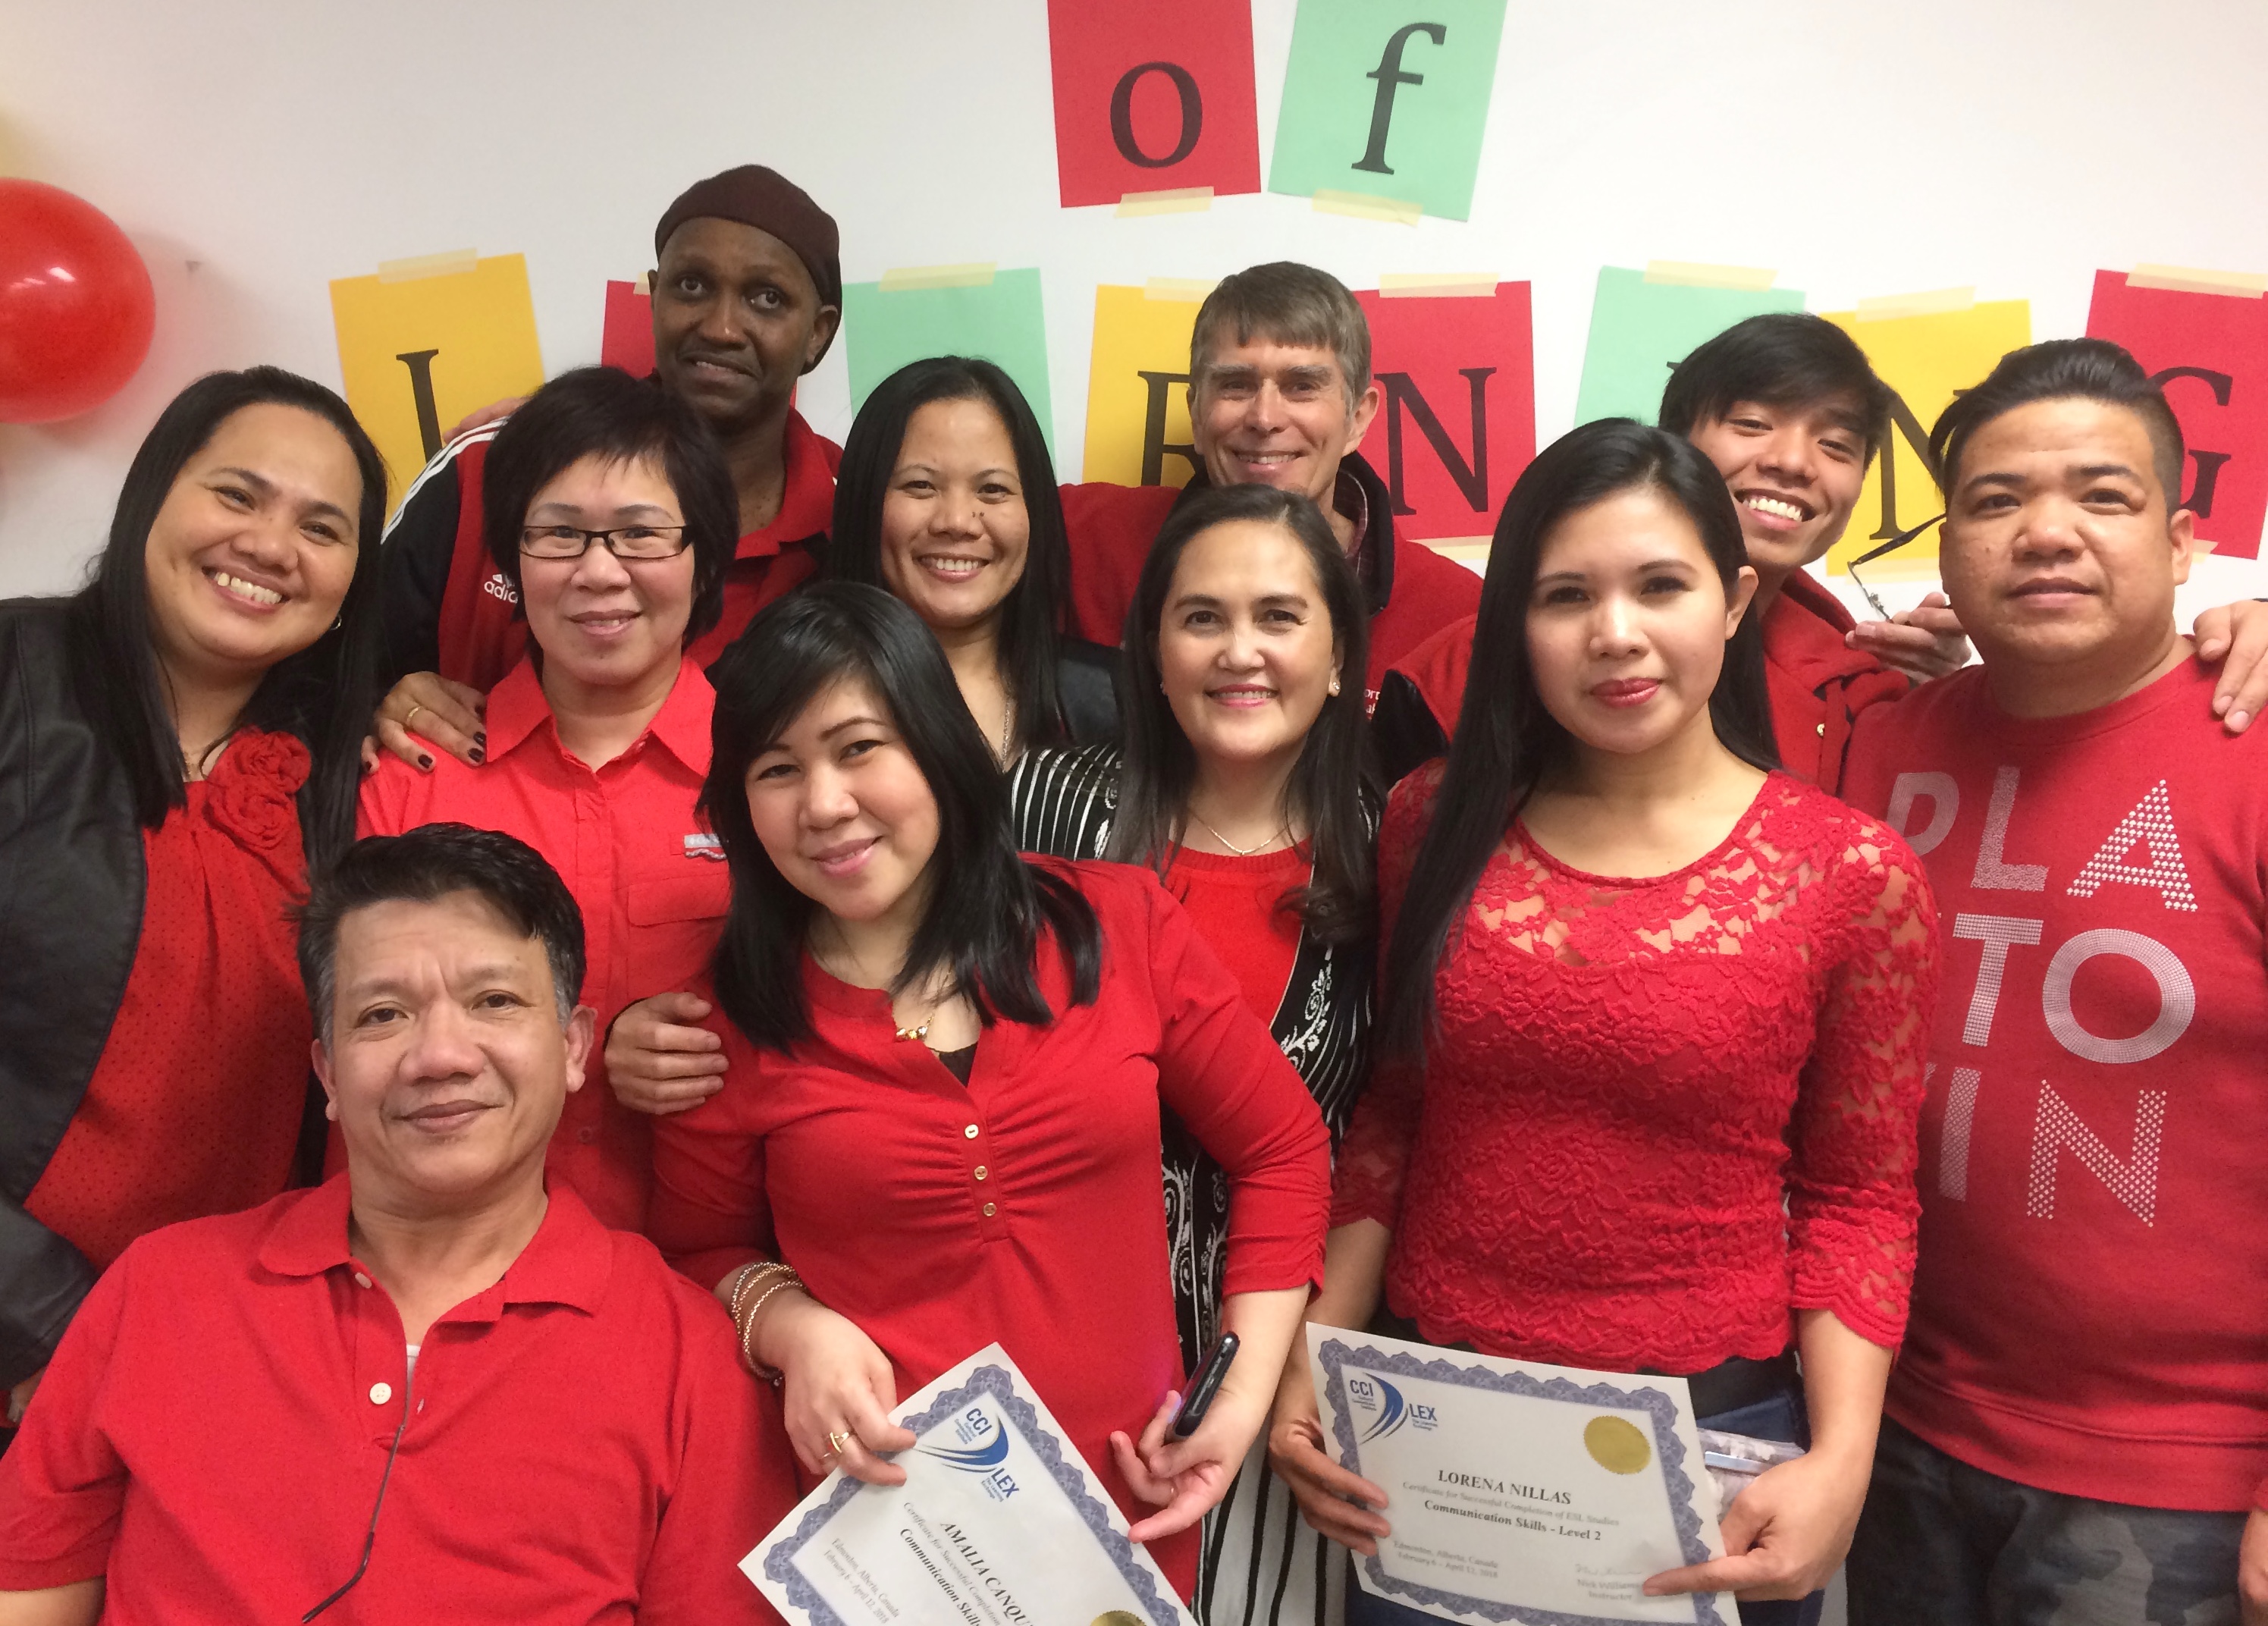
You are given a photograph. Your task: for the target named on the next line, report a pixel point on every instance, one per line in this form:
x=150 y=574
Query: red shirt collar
x=517 y=709
x=806 y=504
x=568 y=1261
x=1803 y=634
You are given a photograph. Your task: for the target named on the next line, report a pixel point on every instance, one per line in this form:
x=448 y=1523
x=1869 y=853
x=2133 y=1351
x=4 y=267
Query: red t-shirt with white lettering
x=2090 y=1308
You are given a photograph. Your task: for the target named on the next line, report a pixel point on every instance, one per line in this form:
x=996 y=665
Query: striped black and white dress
x=1261 y=1565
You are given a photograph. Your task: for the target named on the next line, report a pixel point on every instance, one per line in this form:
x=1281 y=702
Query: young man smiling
x=747 y=294
x=431 y=1384
x=1280 y=395
x=2078 y=1427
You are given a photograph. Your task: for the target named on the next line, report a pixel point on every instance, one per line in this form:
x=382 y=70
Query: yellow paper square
x=1137 y=427
x=1924 y=358
x=478 y=324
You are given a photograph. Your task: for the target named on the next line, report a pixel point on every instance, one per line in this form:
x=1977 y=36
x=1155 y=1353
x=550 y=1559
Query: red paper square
x=2219 y=343
x=1442 y=360
x=627 y=338
x=1152 y=96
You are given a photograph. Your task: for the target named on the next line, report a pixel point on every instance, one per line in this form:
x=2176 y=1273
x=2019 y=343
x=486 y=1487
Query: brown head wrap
x=763 y=198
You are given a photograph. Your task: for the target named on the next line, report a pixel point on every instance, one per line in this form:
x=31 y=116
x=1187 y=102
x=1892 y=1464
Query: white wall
x=255 y=149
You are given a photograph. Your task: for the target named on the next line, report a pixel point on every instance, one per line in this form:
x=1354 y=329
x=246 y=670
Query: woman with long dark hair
x=177 y=740
x=1240 y=783
x=1653 y=1023
x=946 y=498
x=947 y=1063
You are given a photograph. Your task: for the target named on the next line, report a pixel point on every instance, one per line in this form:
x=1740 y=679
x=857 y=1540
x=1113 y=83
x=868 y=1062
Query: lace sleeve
x=1374 y=1156
x=1852 y=1205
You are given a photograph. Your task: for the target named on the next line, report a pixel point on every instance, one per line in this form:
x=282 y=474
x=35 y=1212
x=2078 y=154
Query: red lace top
x=195 y=1107
x=1660 y=1115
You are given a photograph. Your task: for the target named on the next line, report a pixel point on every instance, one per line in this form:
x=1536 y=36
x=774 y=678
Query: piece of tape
x=1173 y=200
x=1437 y=285
x=1694 y=274
x=449 y=264
x=909 y=276
x=2190 y=279
x=1936 y=302
x=1467 y=550
x=1180 y=290
x=1363 y=206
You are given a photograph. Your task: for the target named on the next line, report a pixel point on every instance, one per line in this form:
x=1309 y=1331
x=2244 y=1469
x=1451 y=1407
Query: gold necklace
x=1242 y=852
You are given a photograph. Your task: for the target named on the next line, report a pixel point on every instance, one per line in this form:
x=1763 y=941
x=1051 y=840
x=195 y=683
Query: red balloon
x=76 y=304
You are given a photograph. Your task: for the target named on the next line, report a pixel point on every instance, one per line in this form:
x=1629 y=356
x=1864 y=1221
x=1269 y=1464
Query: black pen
x=1205 y=1383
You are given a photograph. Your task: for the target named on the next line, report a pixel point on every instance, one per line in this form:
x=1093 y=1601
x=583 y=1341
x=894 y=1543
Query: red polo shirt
x=650 y=882
x=581 y=1446
x=480 y=634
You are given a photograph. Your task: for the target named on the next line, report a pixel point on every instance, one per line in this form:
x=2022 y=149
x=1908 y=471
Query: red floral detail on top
x=1660 y=1116
x=252 y=790
x=195 y=1105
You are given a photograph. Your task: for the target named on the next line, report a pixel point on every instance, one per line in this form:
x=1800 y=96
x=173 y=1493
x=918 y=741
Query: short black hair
x=2063 y=369
x=988 y=907
x=603 y=412
x=1783 y=359
x=423 y=866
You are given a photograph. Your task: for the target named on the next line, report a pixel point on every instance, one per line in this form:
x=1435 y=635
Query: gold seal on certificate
x=1517 y=1491
x=999 y=1523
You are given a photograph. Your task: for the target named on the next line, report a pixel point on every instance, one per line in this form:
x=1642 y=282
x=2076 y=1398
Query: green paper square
x=1432 y=132
x=1640 y=328
x=1002 y=321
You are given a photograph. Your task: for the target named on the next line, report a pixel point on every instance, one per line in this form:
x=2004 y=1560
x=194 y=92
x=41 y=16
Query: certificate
x=1520 y=1492
x=1000 y=1523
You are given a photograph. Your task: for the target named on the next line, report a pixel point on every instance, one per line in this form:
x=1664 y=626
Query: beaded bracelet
x=748 y=1322
x=749 y=1274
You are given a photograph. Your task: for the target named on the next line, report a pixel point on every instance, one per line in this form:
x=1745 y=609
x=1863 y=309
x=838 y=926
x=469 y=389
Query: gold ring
x=840 y=1442
x=410 y=716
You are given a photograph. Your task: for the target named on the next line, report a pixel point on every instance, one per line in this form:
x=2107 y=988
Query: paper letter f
x=1388 y=73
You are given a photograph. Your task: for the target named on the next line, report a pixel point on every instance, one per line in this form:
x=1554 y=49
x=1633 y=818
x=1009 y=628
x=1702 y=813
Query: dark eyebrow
x=266 y=488
x=2107 y=471
x=627 y=511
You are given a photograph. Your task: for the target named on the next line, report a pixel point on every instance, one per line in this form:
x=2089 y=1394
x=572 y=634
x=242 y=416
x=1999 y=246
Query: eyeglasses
x=1869 y=557
x=628 y=541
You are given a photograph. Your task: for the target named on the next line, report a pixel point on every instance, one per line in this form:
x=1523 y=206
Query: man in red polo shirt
x=429 y=1388
x=2078 y=1424
x=1280 y=395
x=1792 y=413
x=747 y=294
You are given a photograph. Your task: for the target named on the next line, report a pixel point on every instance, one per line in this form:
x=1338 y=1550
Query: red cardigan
x=1025 y=1206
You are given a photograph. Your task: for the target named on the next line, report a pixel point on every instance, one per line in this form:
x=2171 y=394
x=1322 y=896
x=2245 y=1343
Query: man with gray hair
x=429 y=1386
x=1280 y=395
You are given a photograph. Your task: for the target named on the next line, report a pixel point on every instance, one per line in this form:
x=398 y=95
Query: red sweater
x=1026 y=1205
x=1232 y=903
x=2090 y=1315
x=1660 y=1115
x=1416 y=591
x=1818 y=685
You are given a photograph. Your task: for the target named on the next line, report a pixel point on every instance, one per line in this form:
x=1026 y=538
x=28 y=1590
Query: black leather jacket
x=71 y=917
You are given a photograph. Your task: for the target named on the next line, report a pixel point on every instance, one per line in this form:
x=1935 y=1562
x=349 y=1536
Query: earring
x=1334 y=686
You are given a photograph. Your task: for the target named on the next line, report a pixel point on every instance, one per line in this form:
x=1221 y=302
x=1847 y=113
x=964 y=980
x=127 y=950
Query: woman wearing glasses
x=608 y=508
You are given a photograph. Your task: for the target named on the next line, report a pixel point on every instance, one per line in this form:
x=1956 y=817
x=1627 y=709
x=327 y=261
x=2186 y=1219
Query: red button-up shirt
x=650 y=882
x=581 y=1445
x=1026 y=1205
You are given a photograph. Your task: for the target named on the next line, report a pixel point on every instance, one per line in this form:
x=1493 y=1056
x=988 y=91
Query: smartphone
x=1205 y=1383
